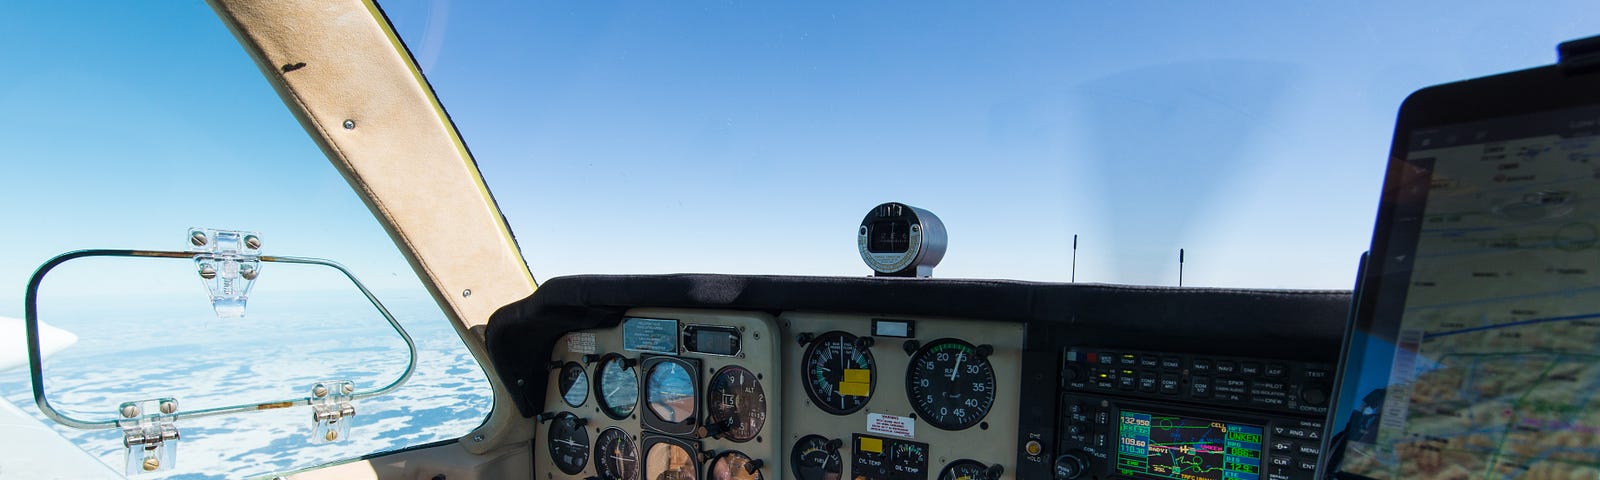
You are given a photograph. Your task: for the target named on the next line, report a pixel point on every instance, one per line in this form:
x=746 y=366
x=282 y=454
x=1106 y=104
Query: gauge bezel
x=599 y=386
x=795 y=455
x=577 y=431
x=910 y=379
x=958 y=463
x=711 y=465
x=595 y=455
x=563 y=392
x=820 y=341
x=710 y=413
x=649 y=441
x=648 y=417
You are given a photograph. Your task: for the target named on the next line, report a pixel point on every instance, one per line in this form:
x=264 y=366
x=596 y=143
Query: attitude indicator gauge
x=839 y=372
x=899 y=240
x=569 y=443
x=616 y=456
x=950 y=383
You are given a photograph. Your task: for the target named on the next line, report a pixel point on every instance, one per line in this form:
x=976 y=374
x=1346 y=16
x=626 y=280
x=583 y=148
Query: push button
x=1201 y=366
x=1147 y=382
x=1169 y=385
x=1275 y=370
x=1277 y=447
x=1149 y=361
x=1200 y=387
x=1225 y=367
x=1171 y=363
x=1250 y=369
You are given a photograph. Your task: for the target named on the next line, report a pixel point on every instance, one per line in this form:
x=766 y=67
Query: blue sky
x=742 y=137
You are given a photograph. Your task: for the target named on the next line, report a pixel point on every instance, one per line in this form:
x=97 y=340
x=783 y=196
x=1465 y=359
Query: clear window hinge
x=331 y=411
x=149 y=435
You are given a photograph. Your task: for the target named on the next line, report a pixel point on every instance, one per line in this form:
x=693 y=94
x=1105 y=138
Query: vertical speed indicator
x=838 y=373
x=950 y=383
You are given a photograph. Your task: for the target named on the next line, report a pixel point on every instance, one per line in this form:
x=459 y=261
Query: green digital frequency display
x=1183 y=448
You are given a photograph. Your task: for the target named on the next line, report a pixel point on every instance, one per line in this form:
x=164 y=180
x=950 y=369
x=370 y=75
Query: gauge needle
x=953 y=371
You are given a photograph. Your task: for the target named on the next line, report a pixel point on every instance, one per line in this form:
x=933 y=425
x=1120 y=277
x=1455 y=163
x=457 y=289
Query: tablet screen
x=1481 y=355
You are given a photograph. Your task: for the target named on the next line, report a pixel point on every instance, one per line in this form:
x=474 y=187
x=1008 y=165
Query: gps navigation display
x=1481 y=357
x=1163 y=446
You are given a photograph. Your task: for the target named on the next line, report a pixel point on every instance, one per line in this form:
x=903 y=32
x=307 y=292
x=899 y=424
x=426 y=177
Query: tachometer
x=838 y=373
x=616 y=457
x=617 y=387
x=965 y=470
x=574 y=384
x=736 y=404
x=815 y=457
x=568 y=443
x=950 y=383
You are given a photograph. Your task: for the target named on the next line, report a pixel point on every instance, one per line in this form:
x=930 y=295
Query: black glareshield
x=1473 y=340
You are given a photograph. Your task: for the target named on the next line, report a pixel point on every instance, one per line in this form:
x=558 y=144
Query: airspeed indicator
x=950 y=383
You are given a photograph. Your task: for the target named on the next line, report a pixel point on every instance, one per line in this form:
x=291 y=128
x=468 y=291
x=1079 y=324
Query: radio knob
x=1070 y=466
x=1314 y=395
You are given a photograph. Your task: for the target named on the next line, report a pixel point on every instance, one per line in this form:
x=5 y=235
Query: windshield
x=751 y=137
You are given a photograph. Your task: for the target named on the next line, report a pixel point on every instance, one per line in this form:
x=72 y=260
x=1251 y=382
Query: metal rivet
x=151 y=464
x=319 y=390
x=521 y=382
x=466 y=293
x=168 y=407
x=252 y=241
x=130 y=411
x=349 y=124
x=332 y=435
x=207 y=271
x=198 y=238
x=477 y=438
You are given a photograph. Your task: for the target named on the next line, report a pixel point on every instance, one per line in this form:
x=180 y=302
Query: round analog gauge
x=732 y=465
x=950 y=384
x=574 y=384
x=964 y=470
x=618 y=387
x=670 y=461
x=816 y=458
x=736 y=404
x=671 y=392
x=616 y=457
x=838 y=373
x=569 y=443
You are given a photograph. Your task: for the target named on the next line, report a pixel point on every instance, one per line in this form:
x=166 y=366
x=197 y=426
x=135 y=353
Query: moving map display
x=1166 y=446
x=1487 y=369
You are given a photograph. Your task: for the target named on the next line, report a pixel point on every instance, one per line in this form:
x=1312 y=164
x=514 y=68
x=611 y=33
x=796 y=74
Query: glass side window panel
x=126 y=124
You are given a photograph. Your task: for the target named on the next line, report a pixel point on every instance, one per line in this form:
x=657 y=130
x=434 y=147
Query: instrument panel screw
x=248 y=271
x=349 y=124
x=168 y=407
x=347 y=388
x=151 y=464
x=252 y=241
x=521 y=382
x=466 y=293
x=198 y=238
x=477 y=438
x=207 y=271
x=130 y=411
x=319 y=391
x=332 y=435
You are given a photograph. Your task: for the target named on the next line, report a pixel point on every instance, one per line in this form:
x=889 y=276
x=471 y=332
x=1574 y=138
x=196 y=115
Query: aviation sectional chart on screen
x=1497 y=365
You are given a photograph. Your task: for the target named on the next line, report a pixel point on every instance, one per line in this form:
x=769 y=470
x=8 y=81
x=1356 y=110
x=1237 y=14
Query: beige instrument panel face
x=880 y=426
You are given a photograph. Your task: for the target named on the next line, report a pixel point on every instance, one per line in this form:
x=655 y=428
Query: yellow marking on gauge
x=873 y=445
x=855 y=389
x=858 y=375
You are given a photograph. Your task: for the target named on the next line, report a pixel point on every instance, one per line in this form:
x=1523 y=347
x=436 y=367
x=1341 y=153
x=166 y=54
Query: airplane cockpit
x=1453 y=336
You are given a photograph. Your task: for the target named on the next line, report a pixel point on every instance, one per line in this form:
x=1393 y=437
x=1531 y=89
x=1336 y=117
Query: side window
x=124 y=126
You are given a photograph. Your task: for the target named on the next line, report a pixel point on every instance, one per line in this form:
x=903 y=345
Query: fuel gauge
x=815 y=457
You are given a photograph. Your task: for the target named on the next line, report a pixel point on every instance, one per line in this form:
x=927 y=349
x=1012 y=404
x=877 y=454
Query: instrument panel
x=678 y=394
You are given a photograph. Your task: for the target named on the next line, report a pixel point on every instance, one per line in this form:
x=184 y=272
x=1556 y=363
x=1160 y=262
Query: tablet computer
x=1474 y=345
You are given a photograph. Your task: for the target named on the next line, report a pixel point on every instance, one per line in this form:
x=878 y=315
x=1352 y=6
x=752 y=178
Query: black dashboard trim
x=1304 y=324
